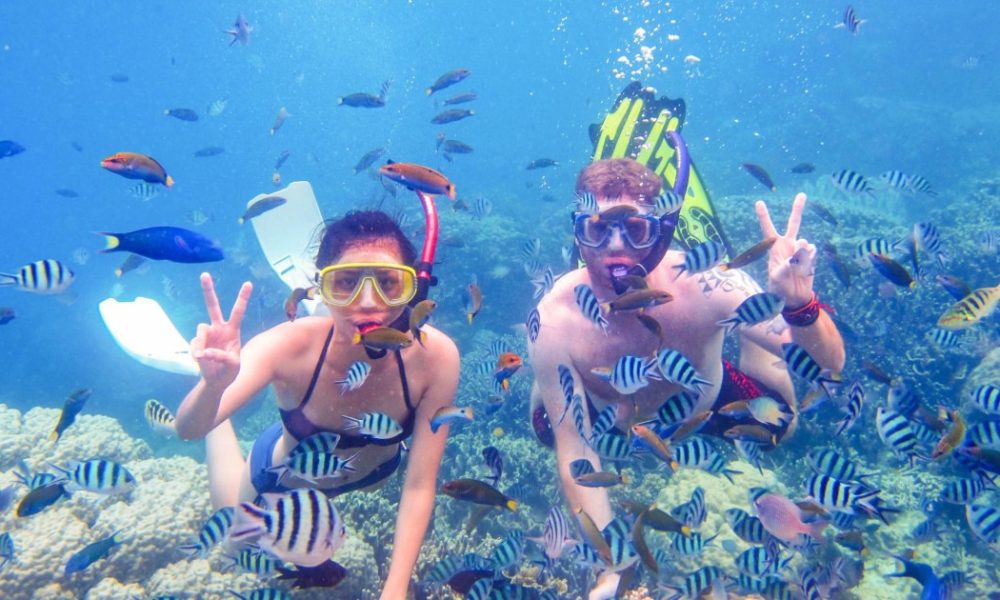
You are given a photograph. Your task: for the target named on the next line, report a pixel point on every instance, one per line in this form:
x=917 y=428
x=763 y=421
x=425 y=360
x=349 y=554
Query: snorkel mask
x=641 y=236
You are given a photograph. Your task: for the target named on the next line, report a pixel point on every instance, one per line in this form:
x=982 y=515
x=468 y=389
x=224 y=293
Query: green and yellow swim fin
x=636 y=127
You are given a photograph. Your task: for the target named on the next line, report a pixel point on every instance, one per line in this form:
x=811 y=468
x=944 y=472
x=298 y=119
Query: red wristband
x=803 y=316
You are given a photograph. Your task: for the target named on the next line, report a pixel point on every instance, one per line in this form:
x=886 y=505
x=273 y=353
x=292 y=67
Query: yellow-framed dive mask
x=341 y=284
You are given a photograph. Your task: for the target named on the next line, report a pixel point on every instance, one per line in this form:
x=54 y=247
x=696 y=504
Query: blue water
x=776 y=85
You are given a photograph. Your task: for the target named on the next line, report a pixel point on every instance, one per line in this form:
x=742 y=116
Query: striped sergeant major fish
x=805 y=366
x=566 y=385
x=159 y=418
x=895 y=431
x=355 y=377
x=324 y=442
x=970 y=310
x=852 y=182
x=927 y=238
x=752 y=452
x=612 y=446
x=508 y=552
x=604 y=421
x=835 y=495
x=255 y=561
x=943 y=338
x=376 y=425
x=691 y=545
x=989 y=241
x=629 y=374
x=896 y=180
x=676 y=368
x=693 y=512
x=677 y=408
x=984 y=521
x=694 y=583
x=300 y=527
x=919 y=185
x=482 y=208
x=759 y=561
x=702 y=257
x=852 y=410
x=755 y=309
x=987 y=398
x=877 y=246
x=494 y=462
x=533 y=325
x=965 y=490
x=668 y=202
x=586 y=203
x=850 y=21
x=829 y=462
x=543 y=283
x=589 y=306
x=47 y=276
x=555 y=534
x=212 y=533
x=531 y=248
x=746 y=526
x=99 y=476
x=314 y=466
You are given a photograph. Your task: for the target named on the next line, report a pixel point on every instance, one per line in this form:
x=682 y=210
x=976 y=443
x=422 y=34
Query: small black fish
x=40 y=498
x=760 y=175
x=10 y=148
x=838 y=265
x=823 y=212
x=326 y=575
x=368 y=159
x=452 y=115
x=7 y=315
x=76 y=146
x=119 y=78
x=803 y=168
x=72 y=407
x=67 y=193
x=361 y=100
x=281 y=159
x=184 y=114
x=260 y=207
x=209 y=151
x=541 y=163
x=456 y=147
x=892 y=270
x=448 y=79
x=460 y=99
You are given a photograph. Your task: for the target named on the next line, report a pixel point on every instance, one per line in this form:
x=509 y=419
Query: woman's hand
x=791 y=261
x=216 y=345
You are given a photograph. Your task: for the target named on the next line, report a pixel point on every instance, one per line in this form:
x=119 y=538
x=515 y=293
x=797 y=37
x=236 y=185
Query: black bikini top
x=300 y=427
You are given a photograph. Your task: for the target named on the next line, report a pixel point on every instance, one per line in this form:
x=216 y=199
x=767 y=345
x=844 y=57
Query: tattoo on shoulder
x=733 y=280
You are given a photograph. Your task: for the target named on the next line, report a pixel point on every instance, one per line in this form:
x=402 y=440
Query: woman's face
x=368 y=310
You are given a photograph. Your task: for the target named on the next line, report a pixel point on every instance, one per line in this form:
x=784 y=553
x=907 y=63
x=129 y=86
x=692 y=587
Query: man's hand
x=791 y=261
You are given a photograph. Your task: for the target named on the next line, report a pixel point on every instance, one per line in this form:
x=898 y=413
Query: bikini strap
x=316 y=371
x=402 y=380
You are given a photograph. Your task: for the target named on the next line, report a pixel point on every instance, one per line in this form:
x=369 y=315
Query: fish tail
x=450 y=191
x=54 y=436
x=816 y=529
x=511 y=505
x=111 y=241
x=356 y=339
x=730 y=324
x=8 y=279
x=168 y=181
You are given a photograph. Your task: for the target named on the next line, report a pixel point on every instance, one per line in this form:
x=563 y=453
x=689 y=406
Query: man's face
x=616 y=256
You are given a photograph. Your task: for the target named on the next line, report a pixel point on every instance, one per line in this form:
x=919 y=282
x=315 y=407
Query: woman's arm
x=420 y=486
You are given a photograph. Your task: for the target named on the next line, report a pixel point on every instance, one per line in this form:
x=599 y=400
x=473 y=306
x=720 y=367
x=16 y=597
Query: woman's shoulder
x=437 y=347
x=291 y=337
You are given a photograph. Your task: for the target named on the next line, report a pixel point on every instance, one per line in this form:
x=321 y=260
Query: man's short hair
x=615 y=177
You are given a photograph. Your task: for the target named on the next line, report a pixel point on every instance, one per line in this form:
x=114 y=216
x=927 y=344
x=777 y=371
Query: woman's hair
x=362 y=227
x=615 y=177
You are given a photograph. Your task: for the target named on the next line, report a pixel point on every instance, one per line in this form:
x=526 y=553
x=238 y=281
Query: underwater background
x=769 y=83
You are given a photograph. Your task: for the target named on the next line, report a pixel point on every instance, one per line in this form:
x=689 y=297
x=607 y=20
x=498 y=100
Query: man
x=688 y=323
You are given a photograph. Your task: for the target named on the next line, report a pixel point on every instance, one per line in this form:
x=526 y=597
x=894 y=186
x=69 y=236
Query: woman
x=366 y=282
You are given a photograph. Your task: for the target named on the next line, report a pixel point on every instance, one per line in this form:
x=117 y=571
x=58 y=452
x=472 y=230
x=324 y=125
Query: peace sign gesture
x=216 y=345
x=791 y=261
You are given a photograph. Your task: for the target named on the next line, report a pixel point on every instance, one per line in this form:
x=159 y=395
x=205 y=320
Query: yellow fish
x=969 y=310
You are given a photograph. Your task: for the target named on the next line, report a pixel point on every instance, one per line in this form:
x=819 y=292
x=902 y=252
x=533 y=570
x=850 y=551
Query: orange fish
x=133 y=165
x=507 y=364
x=418 y=178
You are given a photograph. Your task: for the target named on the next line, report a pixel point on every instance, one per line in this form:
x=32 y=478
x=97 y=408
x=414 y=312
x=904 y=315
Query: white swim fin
x=144 y=331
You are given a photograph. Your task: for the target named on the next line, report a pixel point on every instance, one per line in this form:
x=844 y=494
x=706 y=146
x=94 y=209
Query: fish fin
x=111 y=240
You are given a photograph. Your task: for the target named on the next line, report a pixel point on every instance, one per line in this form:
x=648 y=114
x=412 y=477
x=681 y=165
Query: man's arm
x=420 y=487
